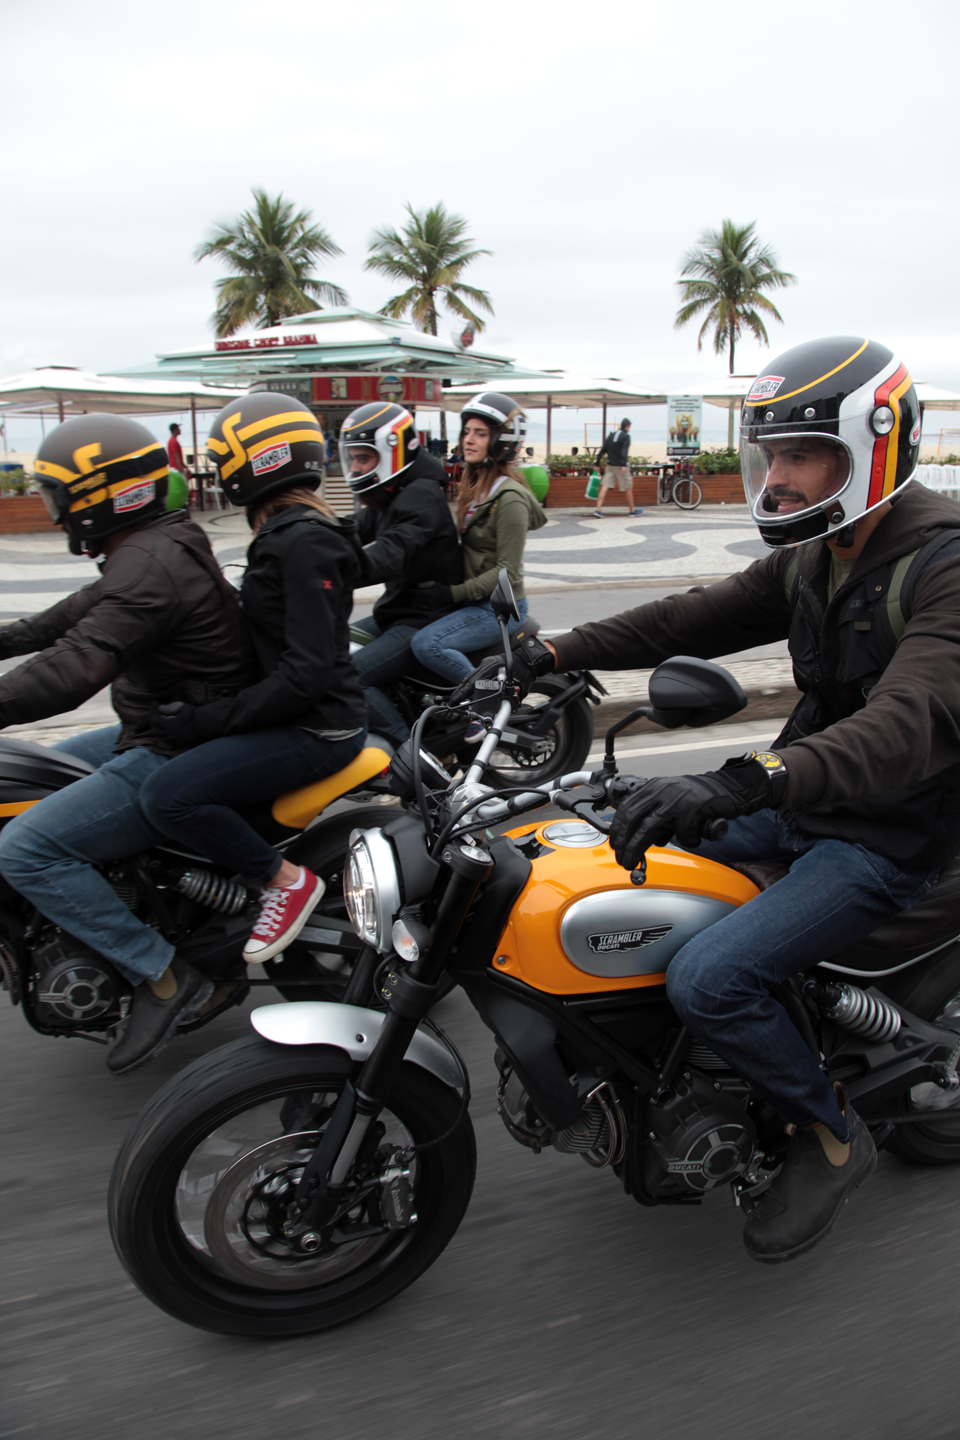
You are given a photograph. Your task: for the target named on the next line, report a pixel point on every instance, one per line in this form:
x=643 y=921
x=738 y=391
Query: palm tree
x=431 y=252
x=272 y=250
x=726 y=274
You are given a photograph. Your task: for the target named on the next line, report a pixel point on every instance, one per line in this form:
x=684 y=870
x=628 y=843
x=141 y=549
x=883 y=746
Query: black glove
x=531 y=659
x=681 y=805
x=176 y=722
x=437 y=596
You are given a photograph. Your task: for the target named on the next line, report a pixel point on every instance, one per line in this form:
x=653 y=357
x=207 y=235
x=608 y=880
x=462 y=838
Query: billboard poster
x=684 y=423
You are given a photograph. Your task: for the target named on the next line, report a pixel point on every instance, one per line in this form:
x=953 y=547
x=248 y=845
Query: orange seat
x=298 y=807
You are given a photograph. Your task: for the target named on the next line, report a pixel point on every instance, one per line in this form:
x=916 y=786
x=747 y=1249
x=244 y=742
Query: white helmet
x=385 y=428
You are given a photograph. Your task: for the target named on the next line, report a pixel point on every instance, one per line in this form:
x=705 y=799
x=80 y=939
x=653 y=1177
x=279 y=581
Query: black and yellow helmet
x=265 y=442
x=99 y=474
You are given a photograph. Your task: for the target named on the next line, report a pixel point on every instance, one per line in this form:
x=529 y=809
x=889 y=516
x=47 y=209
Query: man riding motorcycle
x=860 y=794
x=160 y=625
x=408 y=538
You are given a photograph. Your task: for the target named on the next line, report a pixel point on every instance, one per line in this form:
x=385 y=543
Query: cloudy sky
x=588 y=146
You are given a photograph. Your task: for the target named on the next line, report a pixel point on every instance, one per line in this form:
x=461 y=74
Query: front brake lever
x=582 y=806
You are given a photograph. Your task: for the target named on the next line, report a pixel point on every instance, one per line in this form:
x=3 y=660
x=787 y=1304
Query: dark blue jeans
x=194 y=798
x=383 y=660
x=835 y=894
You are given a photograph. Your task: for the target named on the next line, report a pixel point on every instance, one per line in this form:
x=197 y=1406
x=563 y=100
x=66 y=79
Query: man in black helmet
x=159 y=625
x=858 y=800
x=409 y=542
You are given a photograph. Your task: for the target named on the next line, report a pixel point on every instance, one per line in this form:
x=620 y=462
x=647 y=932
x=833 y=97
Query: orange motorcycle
x=303 y=1176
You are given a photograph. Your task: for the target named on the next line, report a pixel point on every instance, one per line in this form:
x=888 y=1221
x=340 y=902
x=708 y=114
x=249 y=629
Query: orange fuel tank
x=581 y=927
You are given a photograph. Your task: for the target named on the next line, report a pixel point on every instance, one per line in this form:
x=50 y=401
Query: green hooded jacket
x=494 y=537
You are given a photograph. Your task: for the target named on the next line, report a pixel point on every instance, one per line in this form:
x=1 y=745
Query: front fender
x=350 y=1028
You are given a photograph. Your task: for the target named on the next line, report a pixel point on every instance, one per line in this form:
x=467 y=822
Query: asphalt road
x=561 y=1308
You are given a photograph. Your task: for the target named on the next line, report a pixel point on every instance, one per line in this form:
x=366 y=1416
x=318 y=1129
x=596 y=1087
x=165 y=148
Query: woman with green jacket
x=495 y=509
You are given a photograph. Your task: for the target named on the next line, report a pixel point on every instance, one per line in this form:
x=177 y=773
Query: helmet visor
x=792 y=474
x=361 y=465
x=55 y=498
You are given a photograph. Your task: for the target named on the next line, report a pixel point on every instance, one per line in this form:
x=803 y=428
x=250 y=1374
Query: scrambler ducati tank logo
x=627 y=939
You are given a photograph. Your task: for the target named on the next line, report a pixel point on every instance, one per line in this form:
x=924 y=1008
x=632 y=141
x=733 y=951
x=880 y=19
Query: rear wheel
x=564 y=746
x=318 y=966
x=204 y=1183
x=934 y=1139
x=686 y=493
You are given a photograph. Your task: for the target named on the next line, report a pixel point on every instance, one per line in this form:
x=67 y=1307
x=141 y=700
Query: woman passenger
x=306 y=717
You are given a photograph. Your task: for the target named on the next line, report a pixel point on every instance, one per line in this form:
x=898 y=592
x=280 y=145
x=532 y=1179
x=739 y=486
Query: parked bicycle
x=676 y=483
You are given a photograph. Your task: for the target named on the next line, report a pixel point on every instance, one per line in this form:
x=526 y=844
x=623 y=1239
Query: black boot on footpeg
x=153 y=1021
x=799 y=1208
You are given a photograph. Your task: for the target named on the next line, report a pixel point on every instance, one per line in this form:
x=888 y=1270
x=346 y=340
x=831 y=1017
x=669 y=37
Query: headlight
x=371 y=887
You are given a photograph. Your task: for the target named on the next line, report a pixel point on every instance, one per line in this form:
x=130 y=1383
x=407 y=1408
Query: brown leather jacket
x=160 y=624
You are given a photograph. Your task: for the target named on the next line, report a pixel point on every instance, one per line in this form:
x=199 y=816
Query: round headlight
x=371 y=887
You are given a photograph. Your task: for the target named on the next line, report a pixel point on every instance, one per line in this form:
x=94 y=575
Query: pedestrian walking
x=616 y=447
x=175 y=452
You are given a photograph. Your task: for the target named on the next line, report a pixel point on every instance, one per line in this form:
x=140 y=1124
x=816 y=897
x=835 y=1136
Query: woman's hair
x=477 y=481
x=258 y=515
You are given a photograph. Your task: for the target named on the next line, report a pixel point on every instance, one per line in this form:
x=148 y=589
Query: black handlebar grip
x=715 y=830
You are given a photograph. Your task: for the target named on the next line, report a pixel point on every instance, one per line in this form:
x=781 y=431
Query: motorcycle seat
x=905 y=937
x=297 y=808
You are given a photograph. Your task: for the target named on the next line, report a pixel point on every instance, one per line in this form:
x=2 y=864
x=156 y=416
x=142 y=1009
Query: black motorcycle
x=65 y=988
x=301 y=1177
x=549 y=734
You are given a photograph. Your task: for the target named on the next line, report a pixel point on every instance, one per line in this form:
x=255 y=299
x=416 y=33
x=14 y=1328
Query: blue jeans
x=94 y=746
x=195 y=798
x=49 y=851
x=383 y=660
x=444 y=646
x=835 y=894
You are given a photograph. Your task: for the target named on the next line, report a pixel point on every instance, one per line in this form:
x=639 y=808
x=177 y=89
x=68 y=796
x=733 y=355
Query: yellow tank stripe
x=15 y=807
x=775 y=399
x=292 y=417
x=893 y=439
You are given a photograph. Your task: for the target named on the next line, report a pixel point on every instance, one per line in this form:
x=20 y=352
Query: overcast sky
x=587 y=145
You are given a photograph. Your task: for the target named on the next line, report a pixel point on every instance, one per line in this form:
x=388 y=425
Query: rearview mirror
x=687 y=691
x=502 y=601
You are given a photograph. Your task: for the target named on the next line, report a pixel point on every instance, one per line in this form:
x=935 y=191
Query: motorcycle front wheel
x=934 y=1137
x=205 y=1177
x=563 y=748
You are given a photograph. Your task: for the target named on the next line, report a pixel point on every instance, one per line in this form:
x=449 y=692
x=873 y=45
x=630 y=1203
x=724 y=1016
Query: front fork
x=411 y=997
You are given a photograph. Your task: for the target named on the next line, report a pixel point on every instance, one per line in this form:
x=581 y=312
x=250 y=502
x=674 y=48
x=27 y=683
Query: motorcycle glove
x=176 y=722
x=531 y=659
x=681 y=805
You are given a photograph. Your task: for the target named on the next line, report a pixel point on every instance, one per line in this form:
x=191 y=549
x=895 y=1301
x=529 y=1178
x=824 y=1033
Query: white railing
x=944 y=479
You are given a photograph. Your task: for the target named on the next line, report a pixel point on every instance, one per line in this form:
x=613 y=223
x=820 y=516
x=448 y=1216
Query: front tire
x=564 y=747
x=208 y=1166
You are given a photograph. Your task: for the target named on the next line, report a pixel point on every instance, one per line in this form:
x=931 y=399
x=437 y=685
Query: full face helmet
x=508 y=423
x=378 y=443
x=828 y=434
x=99 y=474
x=266 y=442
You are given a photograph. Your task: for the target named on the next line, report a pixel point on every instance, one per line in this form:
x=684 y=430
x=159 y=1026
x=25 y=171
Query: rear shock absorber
x=227 y=897
x=854 y=1009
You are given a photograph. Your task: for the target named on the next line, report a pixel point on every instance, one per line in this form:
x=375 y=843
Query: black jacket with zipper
x=160 y=624
x=296 y=597
x=409 y=540
x=873 y=747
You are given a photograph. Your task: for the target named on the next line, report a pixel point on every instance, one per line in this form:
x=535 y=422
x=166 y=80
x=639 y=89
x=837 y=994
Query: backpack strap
x=907 y=573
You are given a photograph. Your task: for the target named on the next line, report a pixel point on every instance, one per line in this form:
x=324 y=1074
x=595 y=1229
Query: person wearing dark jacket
x=305 y=717
x=616 y=447
x=160 y=625
x=860 y=794
x=409 y=542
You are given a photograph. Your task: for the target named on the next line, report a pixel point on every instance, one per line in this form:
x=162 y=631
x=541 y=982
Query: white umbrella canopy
x=62 y=390
x=534 y=392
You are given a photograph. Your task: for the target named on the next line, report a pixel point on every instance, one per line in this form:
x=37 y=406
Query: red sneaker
x=283 y=914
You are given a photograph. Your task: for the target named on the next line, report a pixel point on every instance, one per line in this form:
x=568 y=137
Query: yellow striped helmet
x=99 y=474
x=378 y=444
x=265 y=442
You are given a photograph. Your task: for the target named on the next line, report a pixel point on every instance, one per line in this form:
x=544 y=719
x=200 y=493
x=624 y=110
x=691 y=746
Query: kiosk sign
x=684 y=422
